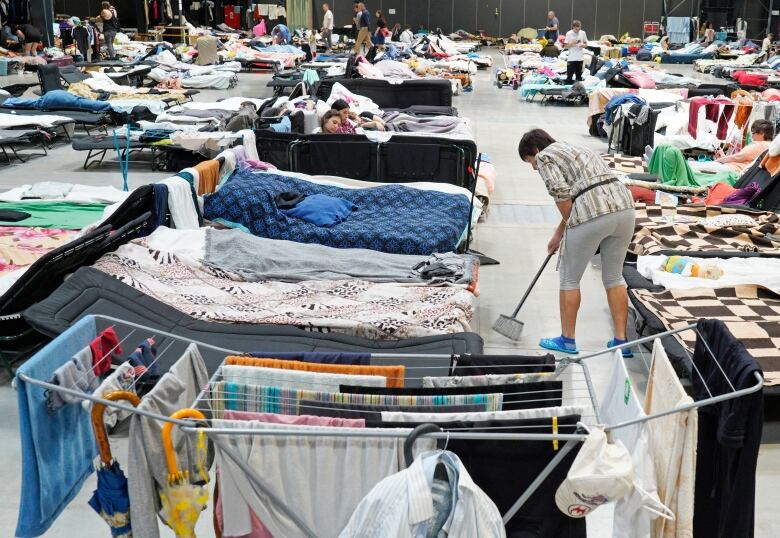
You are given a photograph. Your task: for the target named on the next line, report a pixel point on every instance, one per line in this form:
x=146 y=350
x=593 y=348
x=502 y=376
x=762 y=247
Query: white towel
x=180 y=203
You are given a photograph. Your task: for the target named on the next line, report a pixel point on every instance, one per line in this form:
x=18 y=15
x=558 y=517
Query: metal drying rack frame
x=571 y=439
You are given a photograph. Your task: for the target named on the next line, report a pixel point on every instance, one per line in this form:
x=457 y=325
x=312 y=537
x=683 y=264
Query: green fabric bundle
x=56 y=214
x=671 y=168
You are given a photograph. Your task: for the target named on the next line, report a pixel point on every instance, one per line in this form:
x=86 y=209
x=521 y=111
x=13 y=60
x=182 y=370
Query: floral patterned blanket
x=384 y=311
x=20 y=246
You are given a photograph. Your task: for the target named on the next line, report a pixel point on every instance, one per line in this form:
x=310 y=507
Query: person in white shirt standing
x=767 y=43
x=575 y=42
x=327 y=26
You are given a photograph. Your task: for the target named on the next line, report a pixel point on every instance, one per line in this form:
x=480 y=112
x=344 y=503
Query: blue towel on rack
x=57 y=448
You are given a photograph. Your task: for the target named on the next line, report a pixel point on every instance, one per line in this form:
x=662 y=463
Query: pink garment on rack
x=712 y=107
x=258 y=529
x=299 y=420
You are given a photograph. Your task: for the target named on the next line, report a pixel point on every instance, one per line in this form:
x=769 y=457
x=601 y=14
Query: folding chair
x=49 y=78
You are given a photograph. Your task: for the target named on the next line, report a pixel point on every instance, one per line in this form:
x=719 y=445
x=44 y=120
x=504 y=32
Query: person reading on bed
x=351 y=121
x=761 y=132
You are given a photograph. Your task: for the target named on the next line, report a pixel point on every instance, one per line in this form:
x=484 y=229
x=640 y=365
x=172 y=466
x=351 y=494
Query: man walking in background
x=327 y=26
x=551 y=30
x=363 y=20
x=575 y=42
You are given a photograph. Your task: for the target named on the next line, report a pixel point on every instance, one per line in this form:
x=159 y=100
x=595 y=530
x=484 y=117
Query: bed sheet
x=389 y=218
x=371 y=310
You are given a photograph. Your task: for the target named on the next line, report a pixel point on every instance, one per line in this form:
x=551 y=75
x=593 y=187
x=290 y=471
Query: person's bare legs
x=569 y=302
x=617 y=297
x=28 y=49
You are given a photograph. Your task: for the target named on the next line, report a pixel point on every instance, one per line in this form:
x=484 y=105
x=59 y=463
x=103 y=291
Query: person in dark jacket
x=31 y=37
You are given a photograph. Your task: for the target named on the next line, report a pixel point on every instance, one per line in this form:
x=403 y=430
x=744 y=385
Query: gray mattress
x=89 y=291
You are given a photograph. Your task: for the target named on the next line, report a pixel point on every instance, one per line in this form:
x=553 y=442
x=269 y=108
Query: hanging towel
x=208 y=174
x=57 y=449
x=183 y=211
x=394 y=374
x=672 y=445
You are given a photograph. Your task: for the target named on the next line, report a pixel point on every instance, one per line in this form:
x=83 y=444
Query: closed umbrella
x=182 y=501
x=111 y=499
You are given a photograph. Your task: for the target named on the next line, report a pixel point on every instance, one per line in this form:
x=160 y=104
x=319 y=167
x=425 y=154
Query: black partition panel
x=440 y=15
x=464 y=16
x=585 y=12
x=562 y=10
x=489 y=16
x=512 y=17
x=395 y=12
x=417 y=13
x=342 y=11
x=535 y=13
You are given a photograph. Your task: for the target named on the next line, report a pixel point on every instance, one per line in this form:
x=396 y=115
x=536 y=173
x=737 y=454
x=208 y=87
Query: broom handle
x=528 y=291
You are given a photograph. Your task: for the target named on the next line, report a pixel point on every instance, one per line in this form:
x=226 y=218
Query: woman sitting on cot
x=351 y=121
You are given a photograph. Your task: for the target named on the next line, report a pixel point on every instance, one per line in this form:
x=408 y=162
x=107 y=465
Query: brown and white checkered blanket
x=655 y=233
x=751 y=313
x=625 y=163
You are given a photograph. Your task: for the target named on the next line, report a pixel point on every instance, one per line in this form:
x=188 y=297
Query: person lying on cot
x=366 y=120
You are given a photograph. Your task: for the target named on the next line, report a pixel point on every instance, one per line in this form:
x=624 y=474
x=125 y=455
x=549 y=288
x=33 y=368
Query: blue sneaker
x=561 y=343
x=627 y=353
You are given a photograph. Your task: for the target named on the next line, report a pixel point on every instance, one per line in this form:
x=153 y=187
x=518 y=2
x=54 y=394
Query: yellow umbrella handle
x=170 y=454
x=100 y=428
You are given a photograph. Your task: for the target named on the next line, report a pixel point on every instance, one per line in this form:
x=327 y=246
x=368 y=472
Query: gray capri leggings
x=611 y=233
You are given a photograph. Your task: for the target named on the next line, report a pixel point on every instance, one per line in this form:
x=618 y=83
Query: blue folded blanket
x=321 y=210
x=389 y=218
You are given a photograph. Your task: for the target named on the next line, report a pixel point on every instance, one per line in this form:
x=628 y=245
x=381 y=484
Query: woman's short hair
x=328 y=115
x=339 y=104
x=533 y=142
x=764 y=127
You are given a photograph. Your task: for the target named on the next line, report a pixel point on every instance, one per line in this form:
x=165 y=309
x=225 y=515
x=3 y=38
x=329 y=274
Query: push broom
x=510 y=326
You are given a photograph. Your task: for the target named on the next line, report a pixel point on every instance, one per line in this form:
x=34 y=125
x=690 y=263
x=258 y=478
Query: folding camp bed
x=90 y=291
x=684 y=58
x=98 y=146
x=85 y=119
x=400 y=159
x=10 y=139
x=436 y=92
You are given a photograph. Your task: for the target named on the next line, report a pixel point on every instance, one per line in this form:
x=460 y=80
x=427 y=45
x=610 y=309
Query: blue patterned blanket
x=390 y=218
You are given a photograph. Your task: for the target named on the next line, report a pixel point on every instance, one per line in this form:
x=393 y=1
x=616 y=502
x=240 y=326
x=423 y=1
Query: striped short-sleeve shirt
x=568 y=171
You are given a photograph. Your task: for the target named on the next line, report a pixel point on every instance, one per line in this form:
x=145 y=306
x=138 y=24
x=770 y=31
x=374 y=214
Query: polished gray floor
x=522 y=218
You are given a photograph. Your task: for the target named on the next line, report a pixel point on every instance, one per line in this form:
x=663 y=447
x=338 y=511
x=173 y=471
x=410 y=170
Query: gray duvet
x=255 y=258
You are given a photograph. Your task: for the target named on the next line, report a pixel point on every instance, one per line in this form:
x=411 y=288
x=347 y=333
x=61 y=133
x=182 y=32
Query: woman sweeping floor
x=597 y=214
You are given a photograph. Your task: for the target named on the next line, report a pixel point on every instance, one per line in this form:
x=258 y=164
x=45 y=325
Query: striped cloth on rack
x=395 y=373
x=226 y=396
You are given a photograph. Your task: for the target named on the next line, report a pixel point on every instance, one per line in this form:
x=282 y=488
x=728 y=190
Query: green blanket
x=671 y=168
x=63 y=215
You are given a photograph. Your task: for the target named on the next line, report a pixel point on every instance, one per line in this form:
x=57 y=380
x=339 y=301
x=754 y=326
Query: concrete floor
x=522 y=217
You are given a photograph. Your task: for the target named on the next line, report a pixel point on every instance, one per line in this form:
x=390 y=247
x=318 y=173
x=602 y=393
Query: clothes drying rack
x=562 y=366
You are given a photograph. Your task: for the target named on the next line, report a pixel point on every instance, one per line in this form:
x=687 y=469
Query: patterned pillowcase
x=725 y=221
